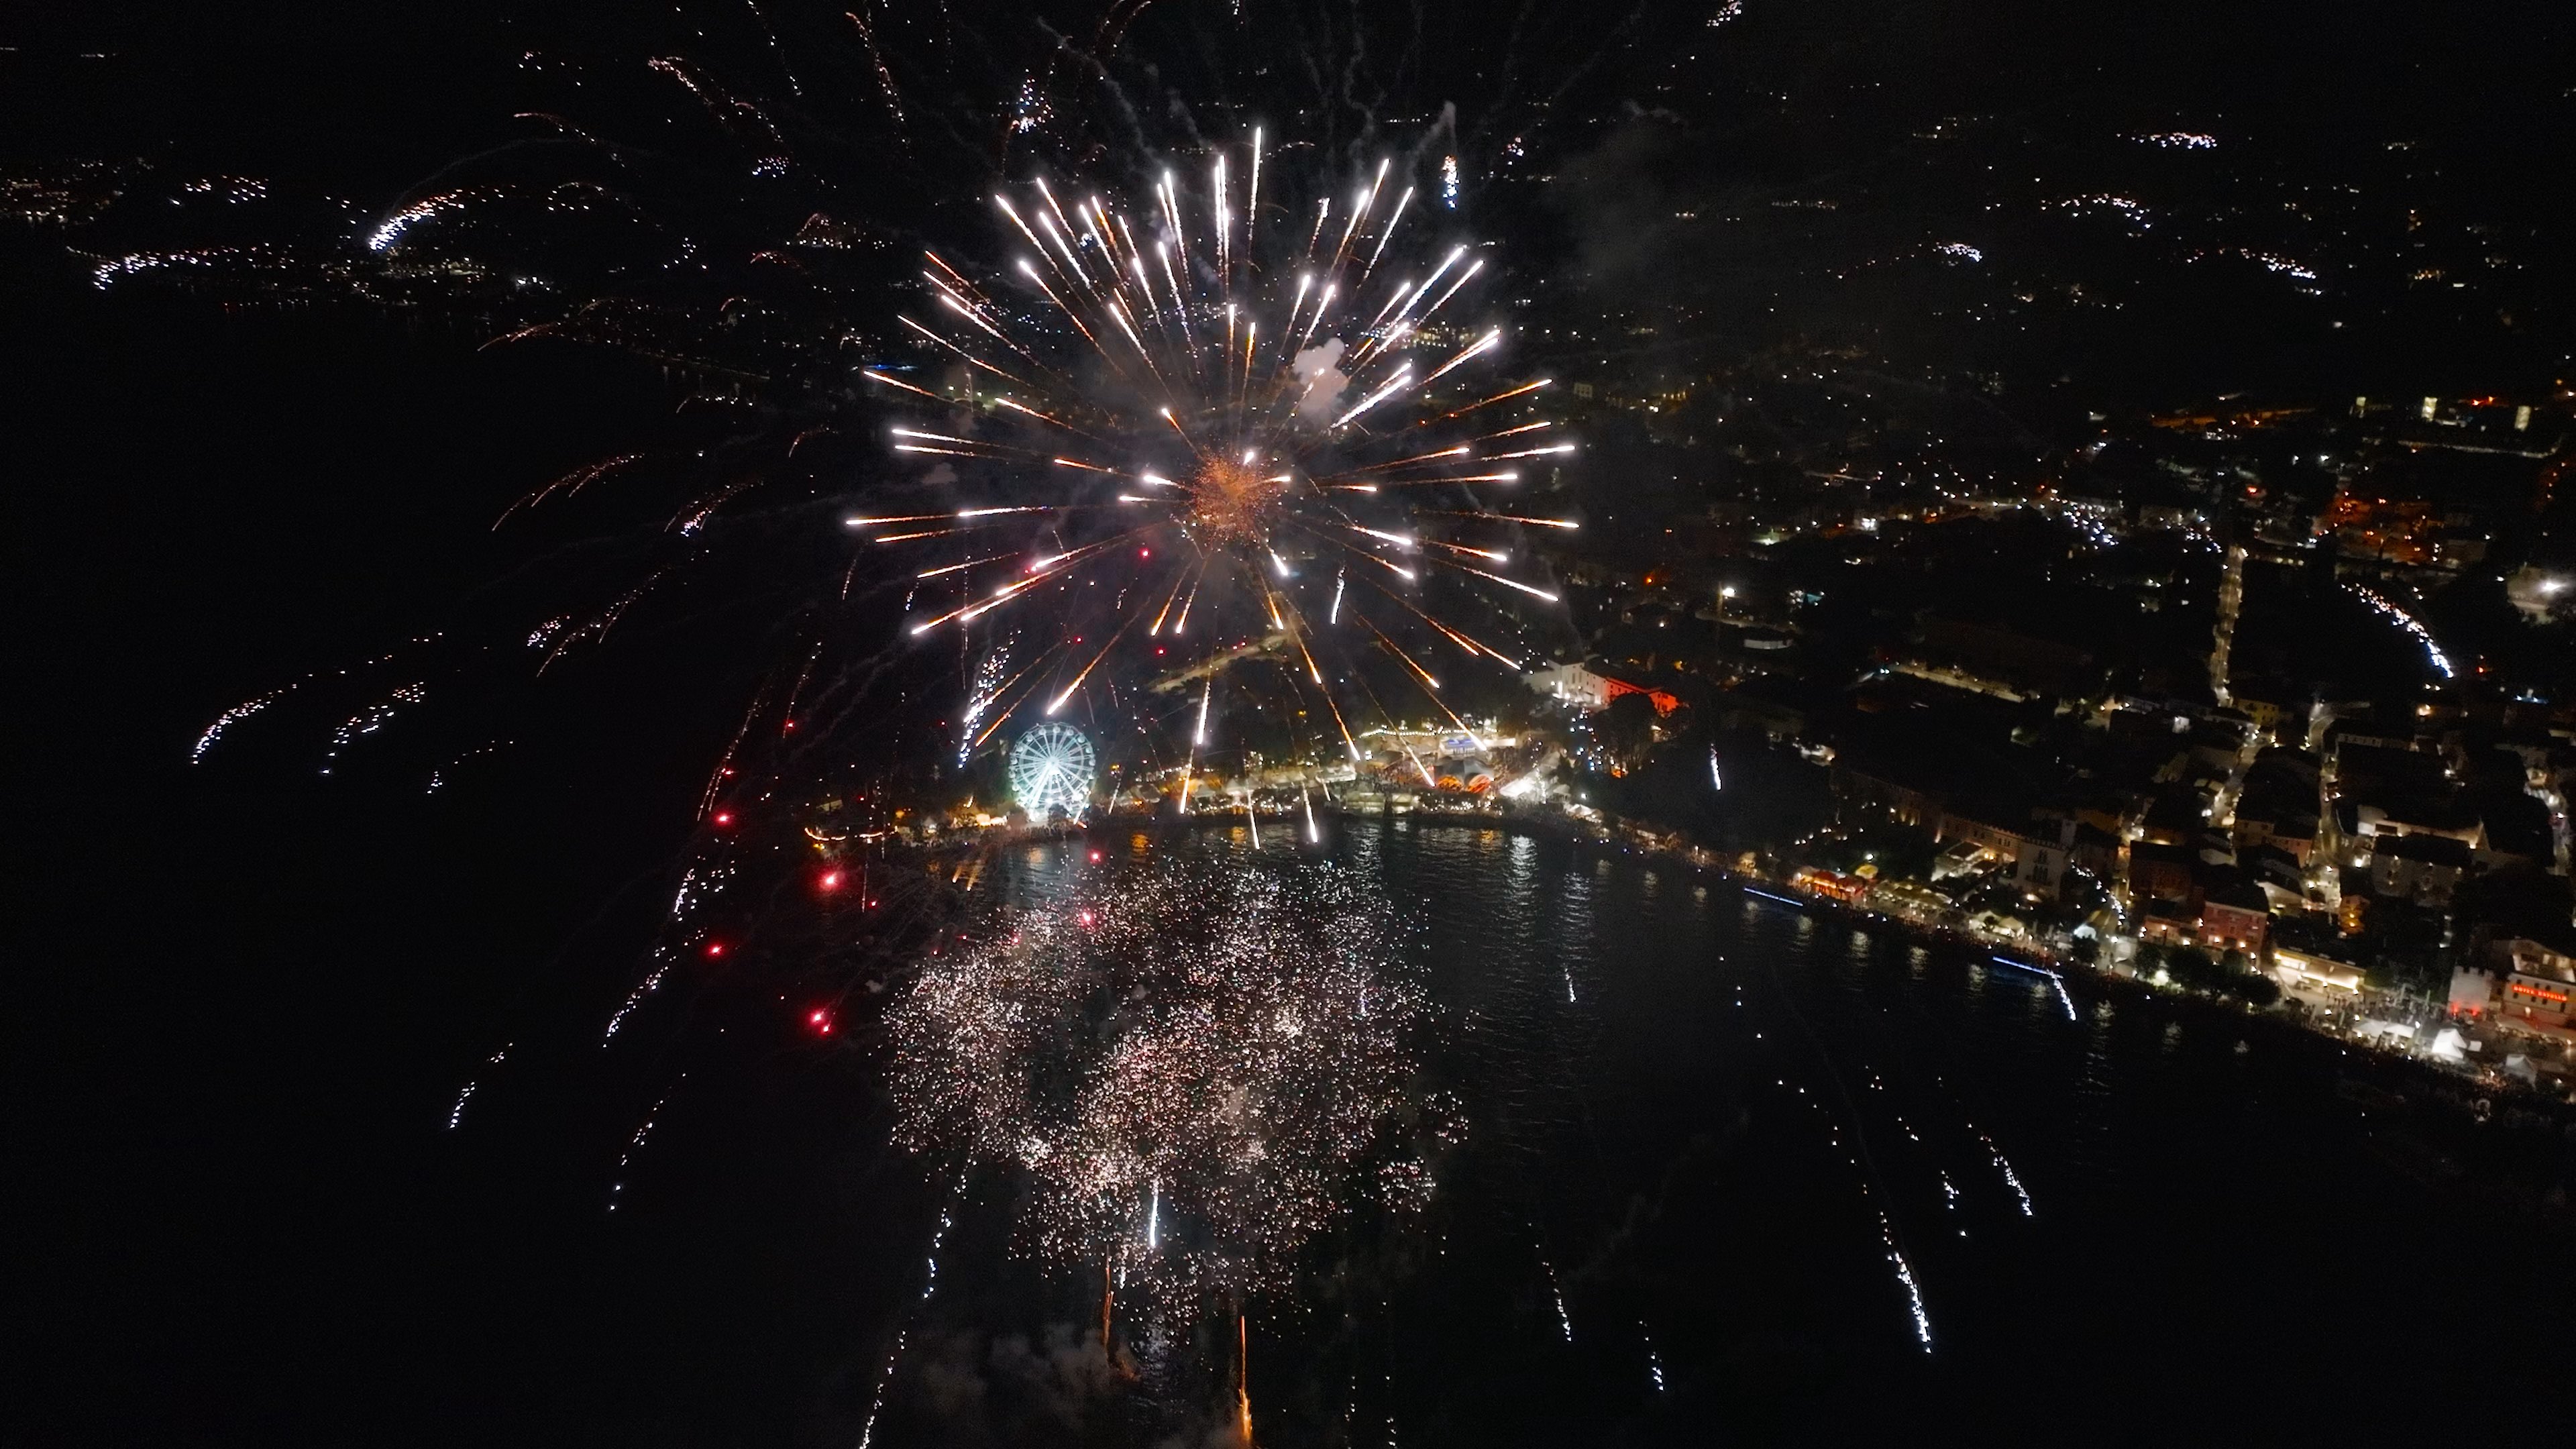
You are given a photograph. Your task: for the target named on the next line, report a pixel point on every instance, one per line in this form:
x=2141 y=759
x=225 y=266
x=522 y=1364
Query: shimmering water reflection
x=1700 y=1162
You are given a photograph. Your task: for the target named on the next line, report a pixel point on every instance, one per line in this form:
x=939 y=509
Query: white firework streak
x=2009 y=1175
x=635 y=1144
x=644 y=988
x=369 y=720
x=456 y=1117
x=1905 y=1276
x=234 y=716
x=930 y=1285
x=983 y=693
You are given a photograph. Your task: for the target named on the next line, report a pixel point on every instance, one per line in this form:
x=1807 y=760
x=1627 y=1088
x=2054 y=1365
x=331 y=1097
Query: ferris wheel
x=1053 y=768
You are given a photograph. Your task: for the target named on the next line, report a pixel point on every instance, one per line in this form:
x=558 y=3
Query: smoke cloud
x=1011 y=1389
x=1320 y=380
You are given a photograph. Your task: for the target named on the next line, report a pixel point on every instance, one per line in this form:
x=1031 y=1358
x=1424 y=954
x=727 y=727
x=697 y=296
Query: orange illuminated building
x=1830 y=884
x=1664 y=703
x=2400 y=530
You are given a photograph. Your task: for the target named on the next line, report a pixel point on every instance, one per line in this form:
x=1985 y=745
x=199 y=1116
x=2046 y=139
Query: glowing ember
x=1231 y=502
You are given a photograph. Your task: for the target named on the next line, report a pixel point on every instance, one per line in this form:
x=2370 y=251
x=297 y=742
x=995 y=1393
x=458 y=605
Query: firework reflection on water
x=1192 y=1066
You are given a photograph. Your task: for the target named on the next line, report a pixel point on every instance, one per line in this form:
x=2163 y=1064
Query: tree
x=2231 y=975
x=1626 y=729
x=2193 y=969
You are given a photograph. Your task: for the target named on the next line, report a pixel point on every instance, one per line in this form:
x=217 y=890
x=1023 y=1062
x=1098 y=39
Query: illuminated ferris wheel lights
x=1053 y=767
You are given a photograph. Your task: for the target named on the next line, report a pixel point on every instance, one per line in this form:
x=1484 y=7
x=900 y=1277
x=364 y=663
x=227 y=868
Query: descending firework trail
x=1556 y=1293
x=903 y=1334
x=456 y=1116
x=1857 y=1153
x=635 y=1144
x=1905 y=1275
x=231 y=717
x=1852 y=1153
x=367 y=721
x=2011 y=1178
x=983 y=689
x=1166 y=423
x=1186 y=1071
x=700 y=883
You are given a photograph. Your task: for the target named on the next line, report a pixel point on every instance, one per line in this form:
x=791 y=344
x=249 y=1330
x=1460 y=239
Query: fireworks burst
x=1200 y=429
x=1186 y=1069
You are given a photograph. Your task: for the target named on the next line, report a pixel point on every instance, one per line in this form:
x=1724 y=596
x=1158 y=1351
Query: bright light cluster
x=1188 y=1069
x=389 y=232
x=1209 y=415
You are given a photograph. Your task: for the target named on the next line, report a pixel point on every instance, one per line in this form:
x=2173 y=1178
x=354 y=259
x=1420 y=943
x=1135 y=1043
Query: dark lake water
x=1702 y=1132
x=1694 y=1127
